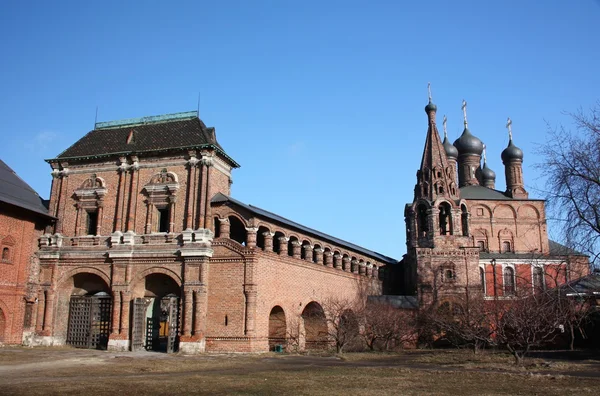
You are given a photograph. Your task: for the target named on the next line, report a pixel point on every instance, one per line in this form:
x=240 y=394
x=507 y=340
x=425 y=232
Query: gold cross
x=429 y=90
x=445 y=130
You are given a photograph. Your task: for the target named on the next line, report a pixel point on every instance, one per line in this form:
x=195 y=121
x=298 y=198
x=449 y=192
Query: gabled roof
x=222 y=198
x=143 y=135
x=14 y=191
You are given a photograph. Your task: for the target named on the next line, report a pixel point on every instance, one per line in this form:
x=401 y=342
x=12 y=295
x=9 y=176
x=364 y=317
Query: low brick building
x=150 y=251
x=23 y=217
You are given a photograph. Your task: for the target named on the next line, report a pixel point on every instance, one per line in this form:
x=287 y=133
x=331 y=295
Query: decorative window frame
x=9 y=243
x=161 y=192
x=444 y=268
x=89 y=197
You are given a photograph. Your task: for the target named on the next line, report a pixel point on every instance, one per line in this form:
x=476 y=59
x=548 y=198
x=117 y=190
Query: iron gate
x=173 y=323
x=137 y=326
x=89 y=321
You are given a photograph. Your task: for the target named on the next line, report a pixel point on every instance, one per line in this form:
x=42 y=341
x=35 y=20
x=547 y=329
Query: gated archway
x=277 y=328
x=315 y=326
x=155 y=316
x=90 y=307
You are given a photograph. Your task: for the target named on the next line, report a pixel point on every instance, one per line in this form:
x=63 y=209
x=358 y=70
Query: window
x=482 y=279
x=448 y=275
x=481 y=246
x=163 y=219
x=91 y=223
x=445 y=219
x=422 y=221
x=464 y=217
x=509 y=281
x=538 y=279
x=6 y=254
x=506 y=248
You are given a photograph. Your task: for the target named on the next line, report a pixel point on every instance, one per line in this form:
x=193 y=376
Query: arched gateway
x=155 y=315
x=90 y=308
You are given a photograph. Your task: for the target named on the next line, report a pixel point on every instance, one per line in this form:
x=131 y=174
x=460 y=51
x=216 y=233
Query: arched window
x=481 y=246
x=422 y=225
x=509 y=281
x=445 y=219
x=482 y=279
x=5 y=254
x=506 y=248
x=538 y=279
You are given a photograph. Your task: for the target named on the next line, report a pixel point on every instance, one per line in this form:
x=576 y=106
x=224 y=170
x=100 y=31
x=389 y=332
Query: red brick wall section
x=18 y=233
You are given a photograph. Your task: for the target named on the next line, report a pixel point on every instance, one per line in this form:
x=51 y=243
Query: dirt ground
x=65 y=371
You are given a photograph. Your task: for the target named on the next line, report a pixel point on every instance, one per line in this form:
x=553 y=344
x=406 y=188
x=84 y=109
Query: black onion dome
x=430 y=107
x=468 y=144
x=487 y=173
x=512 y=152
x=451 y=151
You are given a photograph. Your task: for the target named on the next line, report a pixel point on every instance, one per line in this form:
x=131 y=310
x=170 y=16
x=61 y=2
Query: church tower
x=437 y=222
x=512 y=158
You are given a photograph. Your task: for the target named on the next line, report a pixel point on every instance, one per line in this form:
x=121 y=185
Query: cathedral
x=463 y=234
x=145 y=248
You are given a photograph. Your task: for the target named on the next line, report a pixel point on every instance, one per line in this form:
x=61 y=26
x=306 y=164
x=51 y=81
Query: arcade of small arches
x=441 y=216
x=269 y=240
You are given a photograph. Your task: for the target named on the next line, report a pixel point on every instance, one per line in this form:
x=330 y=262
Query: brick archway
x=315 y=326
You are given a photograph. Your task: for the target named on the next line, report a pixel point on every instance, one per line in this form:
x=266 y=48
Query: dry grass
x=364 y=374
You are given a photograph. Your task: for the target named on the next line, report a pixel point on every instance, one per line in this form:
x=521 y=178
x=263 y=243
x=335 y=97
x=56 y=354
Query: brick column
x=283 y=246
x=63 y=197
x=251 y=237
x=250 y=293
x=49 y=312
x=337 y=260
x=369 y=270
x=78 y=211
x=362 y=268
x=116 y=312
x=224 y=228
x=100 y=205
x=191 y=190
x=319 y=255
x=354 y=266
x=208 y=162
x=121 y=195
x=187 y=312
x=172 y=207
x=308 y=252
x=125 y=304
x=200 y=300
x=268 y=238
x=346 y=263
x=296 y=249
x=149 y=207
x=41 y=308
x=135 y=191
x=328 y=259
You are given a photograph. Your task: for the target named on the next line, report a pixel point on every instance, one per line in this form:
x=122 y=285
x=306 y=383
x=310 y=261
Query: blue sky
x=321 y=102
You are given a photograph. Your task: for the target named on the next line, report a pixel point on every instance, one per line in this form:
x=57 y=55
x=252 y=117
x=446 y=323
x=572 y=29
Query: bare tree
x=342 y=321
x=572 y=167
x=386 y=327
x=466 y=321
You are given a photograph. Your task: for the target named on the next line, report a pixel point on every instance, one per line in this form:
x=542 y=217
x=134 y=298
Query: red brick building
x=150 y=251
x=23 y=217
x=463 y=233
